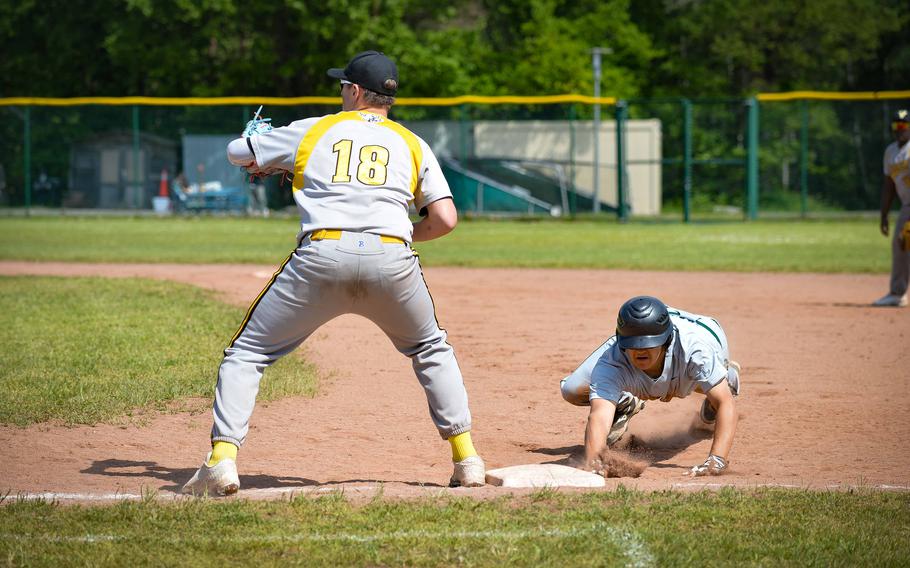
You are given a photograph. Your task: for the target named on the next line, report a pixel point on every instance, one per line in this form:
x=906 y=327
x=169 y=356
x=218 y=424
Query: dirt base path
x=824 y=401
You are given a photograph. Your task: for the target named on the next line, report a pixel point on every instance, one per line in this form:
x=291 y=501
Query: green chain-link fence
x=792 y=154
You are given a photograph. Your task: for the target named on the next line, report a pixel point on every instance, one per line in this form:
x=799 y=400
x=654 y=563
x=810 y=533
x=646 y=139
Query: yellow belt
x=335 y=234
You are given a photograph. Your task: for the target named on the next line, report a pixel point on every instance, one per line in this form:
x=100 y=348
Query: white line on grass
x=833 y=486
x=628 y=542
x=632 y=547
x=50 y=496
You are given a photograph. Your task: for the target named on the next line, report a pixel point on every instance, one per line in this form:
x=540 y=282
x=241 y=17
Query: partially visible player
x=355 y=172
x=657 y=353
x=897 y=181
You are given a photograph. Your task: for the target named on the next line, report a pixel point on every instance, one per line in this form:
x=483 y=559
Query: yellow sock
x=220 y=451
x=462 y=447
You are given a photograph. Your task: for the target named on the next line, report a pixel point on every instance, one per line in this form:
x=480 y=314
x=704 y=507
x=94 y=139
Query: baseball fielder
x=657 y=353
x=897 y=181
x=354 y=174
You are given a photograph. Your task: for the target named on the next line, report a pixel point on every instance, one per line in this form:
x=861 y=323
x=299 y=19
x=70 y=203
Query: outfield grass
x=84 y=350
x=778 y=246
x=622 y=528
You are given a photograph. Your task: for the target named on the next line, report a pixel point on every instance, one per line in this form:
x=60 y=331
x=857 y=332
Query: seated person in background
x=657 y=353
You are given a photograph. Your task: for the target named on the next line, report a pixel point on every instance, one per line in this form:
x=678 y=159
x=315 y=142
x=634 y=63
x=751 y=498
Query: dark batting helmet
x=643 y=322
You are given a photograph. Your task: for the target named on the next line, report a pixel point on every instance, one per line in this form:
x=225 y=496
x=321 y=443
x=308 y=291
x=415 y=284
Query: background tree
x=658 y=48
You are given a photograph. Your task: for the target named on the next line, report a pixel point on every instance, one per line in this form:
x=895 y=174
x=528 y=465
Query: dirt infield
x=824 y=402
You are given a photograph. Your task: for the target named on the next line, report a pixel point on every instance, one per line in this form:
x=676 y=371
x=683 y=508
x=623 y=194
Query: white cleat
x=734 y=383
x=220 y=479
x=891 y=300
x=469 y=472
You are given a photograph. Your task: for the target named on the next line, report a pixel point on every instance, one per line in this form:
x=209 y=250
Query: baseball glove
x=905 y=235
x=258 y=125
x=714 y=465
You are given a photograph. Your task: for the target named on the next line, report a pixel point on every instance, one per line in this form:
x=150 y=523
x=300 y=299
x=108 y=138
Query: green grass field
x=84 y=350
x=769 y=527
x=852 y=245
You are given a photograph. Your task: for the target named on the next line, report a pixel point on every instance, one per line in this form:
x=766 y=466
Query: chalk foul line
x=628 y=542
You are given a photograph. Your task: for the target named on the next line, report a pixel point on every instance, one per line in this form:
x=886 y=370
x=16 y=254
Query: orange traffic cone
x=162 y=187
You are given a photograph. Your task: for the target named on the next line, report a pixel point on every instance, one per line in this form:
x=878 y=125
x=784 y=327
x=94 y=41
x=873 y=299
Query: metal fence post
x=687 y=159
x=135 y=194
x=752 y=159
x=479 y=203
x=463 y=134
x=27 y=158
x=621 y=108
x=804 y=159
x=573 y=204
x=596 y=64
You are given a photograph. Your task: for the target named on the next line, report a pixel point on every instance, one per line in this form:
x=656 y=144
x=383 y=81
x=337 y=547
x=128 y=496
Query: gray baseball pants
x=900 y=258
x=358 y=274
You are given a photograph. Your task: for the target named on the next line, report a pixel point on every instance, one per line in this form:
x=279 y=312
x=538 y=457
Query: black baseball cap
x=372 y=70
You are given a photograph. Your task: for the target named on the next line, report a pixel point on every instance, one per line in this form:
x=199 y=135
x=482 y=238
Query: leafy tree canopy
x=283 y=47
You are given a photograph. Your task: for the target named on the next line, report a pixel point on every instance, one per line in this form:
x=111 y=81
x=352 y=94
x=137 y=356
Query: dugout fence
x=782 y=154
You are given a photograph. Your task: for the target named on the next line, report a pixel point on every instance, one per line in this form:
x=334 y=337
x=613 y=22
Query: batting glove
x=714 y=465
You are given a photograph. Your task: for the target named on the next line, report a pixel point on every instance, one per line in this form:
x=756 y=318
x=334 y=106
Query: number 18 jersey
x=354 y=171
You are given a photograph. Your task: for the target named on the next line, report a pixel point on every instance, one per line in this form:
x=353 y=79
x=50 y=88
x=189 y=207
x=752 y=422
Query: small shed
x=102 y=170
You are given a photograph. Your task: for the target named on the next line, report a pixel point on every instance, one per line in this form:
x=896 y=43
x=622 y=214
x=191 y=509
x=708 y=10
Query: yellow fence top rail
x=832 y=96
x=418 y=101
x=205 y=101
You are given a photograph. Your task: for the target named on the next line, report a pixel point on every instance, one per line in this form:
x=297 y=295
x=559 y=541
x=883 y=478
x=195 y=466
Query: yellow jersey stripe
x=413 y=144
x=305 y=149
x=314 y=134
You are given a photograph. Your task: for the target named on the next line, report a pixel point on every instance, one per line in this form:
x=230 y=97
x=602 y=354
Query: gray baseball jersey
x=354 y=176
x=697 y=359
x=387 y=165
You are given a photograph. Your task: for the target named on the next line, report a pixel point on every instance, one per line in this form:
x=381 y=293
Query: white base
x=543 y=475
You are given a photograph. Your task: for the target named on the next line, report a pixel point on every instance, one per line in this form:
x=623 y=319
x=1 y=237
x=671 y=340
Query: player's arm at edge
x=441 y=217
x=722 y=399
x=600 y=419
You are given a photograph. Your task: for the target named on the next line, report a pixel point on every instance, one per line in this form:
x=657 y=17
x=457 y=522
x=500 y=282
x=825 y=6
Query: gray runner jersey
x=696 y=360
x=355 y=171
